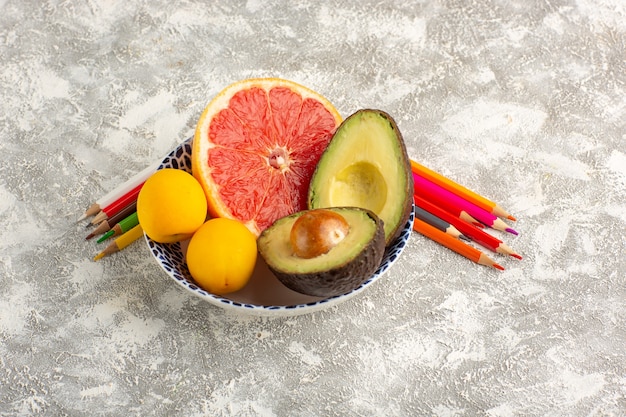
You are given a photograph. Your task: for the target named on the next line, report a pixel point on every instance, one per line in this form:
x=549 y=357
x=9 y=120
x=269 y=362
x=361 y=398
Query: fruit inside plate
x=264 y=295
x=267 y=149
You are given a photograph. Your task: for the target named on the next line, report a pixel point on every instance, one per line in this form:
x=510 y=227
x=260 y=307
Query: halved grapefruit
x=256 y=146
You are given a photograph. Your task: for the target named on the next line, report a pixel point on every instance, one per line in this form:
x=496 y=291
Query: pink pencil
x=433 y=192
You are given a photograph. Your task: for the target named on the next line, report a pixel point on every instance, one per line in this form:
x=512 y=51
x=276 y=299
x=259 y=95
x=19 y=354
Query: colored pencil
x=106 y=225
x=460 y=190
x=476 y=235
x=442 y=202
x=118 y=205
x=439 y=223
x=119 y=191
x=446 y=199
x=122 y=227
x=453 y=244
x=121 y=242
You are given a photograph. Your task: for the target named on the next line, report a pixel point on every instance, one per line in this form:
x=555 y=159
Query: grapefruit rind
x=204 y=170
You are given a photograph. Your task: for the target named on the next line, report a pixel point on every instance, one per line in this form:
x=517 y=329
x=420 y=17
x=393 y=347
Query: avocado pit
x=315 y=232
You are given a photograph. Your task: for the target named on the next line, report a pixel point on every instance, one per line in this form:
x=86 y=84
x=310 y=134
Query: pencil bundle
x=115 y=214
x=456 y=217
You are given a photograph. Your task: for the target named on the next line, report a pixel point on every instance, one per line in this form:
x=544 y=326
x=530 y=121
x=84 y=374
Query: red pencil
x=477 y=235
x=454 y=203
x=118 y=205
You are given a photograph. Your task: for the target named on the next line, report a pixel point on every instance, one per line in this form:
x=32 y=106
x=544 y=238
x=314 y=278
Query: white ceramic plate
x=264 y=295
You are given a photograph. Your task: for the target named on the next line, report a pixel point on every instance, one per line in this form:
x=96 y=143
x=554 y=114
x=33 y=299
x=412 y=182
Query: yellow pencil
x=459 y=190
x=121 y=242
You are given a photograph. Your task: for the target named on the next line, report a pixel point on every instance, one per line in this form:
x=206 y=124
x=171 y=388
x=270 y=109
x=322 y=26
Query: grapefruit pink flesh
x=258 y=152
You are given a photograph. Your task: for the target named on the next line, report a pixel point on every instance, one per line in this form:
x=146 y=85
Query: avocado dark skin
x=337 y=279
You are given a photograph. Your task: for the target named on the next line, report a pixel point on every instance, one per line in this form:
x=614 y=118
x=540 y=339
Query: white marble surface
x=524 y=101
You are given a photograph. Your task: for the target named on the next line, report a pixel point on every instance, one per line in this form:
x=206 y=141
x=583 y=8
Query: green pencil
x=122 y=227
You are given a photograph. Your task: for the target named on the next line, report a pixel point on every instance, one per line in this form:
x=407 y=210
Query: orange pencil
x=459 y=190
x=454 y=244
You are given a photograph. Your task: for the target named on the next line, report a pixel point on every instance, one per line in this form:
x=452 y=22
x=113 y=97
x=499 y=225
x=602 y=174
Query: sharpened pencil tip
x=516 y=256
x=465 y=238
x=99 y=218
x=81 y=218
x=89 y=236
x=508 y=229
x=99 y=256
x=105 y=236
x=511 y=218
x=498 y=266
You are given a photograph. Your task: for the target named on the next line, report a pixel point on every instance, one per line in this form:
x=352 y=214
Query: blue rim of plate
x=170 y=258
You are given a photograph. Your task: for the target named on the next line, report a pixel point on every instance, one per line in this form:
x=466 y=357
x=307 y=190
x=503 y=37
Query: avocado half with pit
x=366 y=165
x=345 y=266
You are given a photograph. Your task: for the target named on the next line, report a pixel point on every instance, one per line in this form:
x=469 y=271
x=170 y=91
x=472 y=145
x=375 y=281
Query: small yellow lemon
x=171 y=206
x=221 y=255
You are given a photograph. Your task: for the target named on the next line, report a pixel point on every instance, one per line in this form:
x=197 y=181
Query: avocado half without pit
x=324 y=252
x=366 y=165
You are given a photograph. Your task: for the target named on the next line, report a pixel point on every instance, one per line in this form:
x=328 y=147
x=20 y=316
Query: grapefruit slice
x=256 y=146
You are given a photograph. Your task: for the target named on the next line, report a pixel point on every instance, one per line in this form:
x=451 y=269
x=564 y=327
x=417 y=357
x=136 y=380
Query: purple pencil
x=422 y=185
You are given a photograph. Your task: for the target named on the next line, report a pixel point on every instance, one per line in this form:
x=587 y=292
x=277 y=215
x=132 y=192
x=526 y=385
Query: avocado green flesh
x=275 y=246
x=366 y=165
